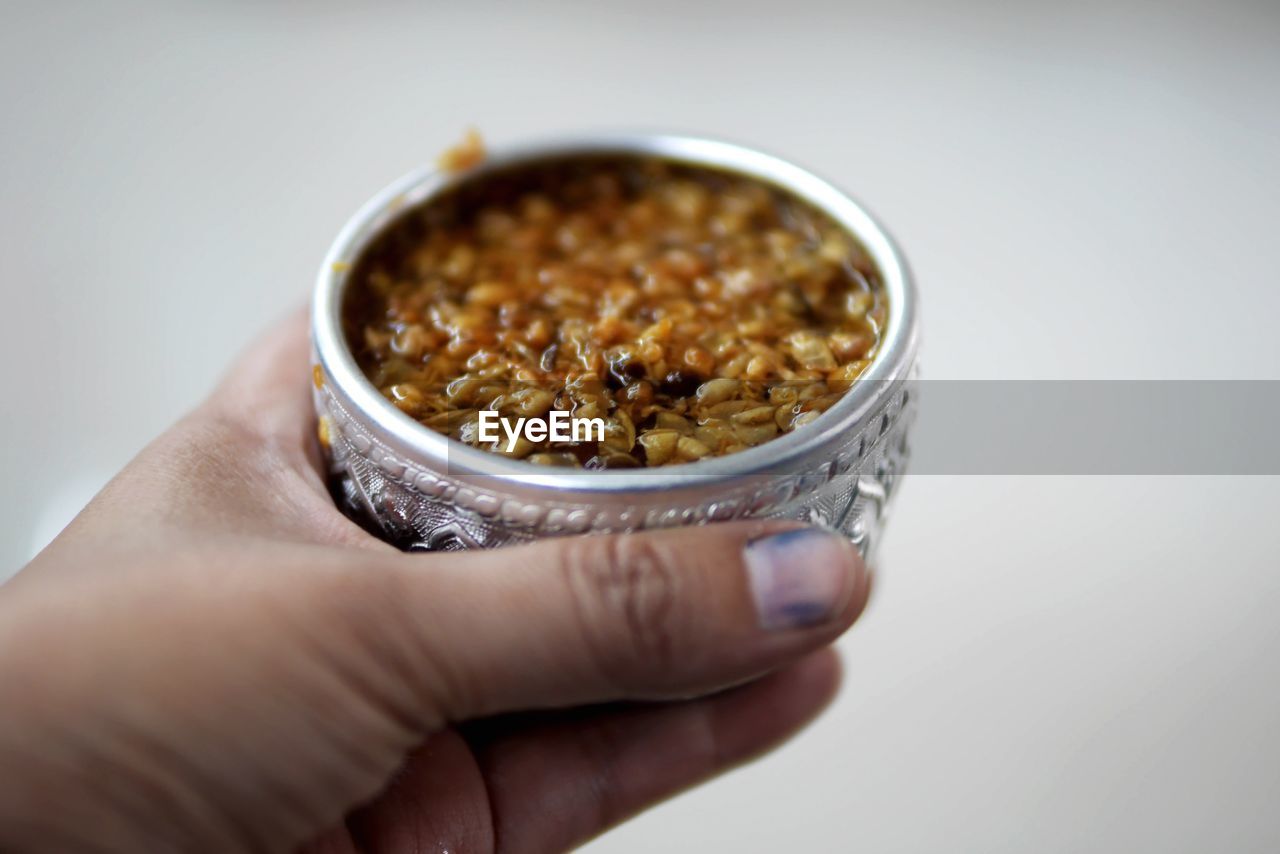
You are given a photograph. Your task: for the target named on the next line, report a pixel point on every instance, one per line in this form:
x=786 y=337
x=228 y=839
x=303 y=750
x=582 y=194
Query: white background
x=1050 y=664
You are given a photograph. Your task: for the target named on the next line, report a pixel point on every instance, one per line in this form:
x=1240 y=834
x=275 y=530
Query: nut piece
x=466 y=154
x=659 y=446
x=717 y=391
x=691 y=449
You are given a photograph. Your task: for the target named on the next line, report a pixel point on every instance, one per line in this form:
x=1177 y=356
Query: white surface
x=1050 y=663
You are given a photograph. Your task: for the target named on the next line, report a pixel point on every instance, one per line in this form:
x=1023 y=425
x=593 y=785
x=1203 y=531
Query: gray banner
x=1086 y=427
x=1097 y=427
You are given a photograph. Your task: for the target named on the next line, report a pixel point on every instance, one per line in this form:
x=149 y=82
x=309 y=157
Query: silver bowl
x=421 y=490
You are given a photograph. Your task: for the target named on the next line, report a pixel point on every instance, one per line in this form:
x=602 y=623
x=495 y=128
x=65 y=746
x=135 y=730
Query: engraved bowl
x=422 y=490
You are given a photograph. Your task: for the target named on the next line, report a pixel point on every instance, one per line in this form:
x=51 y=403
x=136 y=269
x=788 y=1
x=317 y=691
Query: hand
x=212 y=658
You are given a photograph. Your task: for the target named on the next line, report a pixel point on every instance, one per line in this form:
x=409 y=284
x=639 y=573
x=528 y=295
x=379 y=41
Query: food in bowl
x=693 y=311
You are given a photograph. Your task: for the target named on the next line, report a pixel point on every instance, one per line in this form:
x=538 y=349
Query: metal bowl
x=421 y=490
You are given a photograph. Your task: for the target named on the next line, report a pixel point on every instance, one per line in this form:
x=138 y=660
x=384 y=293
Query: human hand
x=212 y=658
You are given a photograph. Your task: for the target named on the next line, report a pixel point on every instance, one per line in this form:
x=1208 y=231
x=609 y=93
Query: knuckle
x=627 y=597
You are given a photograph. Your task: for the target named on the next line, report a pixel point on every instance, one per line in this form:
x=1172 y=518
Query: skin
x=212 y=658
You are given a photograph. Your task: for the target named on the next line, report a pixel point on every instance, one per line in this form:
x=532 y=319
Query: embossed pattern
x=422 y=509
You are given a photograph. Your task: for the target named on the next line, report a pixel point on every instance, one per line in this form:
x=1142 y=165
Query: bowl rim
x=785 y=454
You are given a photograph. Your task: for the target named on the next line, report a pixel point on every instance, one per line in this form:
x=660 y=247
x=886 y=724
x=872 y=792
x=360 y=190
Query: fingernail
x=800 y=578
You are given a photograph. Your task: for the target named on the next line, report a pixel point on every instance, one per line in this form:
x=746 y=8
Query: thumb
x=636 y=616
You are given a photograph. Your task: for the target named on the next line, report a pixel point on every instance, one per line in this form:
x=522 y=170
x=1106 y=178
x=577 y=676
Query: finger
x=267 y=395
x=439 y=794
x=253 y=450
x=553 y=786
x=655 y=615
x=549 y=782
x=268 y=389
